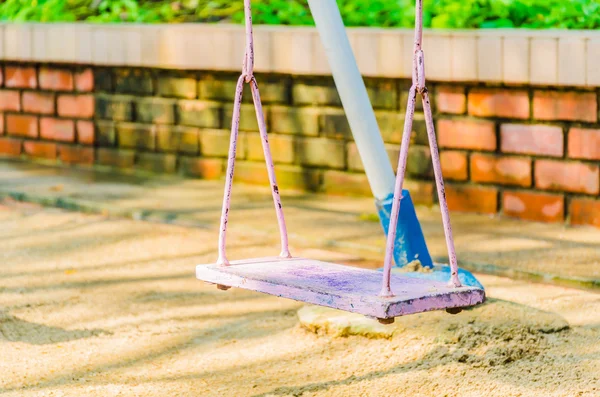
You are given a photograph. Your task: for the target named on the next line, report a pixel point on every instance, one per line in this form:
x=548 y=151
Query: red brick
x=156 y=162
x=10 y=146
x=10 y=100
x=502 y=170
x=203 y=168
x=584 y=144
x=76 y=154
x=37 y=102
x=393 y=152
x=465 y=198
x=293 y=177
x=534 y=206
x=85 y=132
x=56 y=79
x=45 y=150
x=450 y=99
x=249 y=172
x=567 y=176
x=454 y=165
x=466 y=134
x=537 y=139
x=116 y=158
x=18 y=124
x=512 y=104
x=76 y=106
x=421 y=192
x=585 y=212
x=21 y=77
x=576 y=106
x=345 y=183
x=289 y=177
x=57 y=129
x=84 y=80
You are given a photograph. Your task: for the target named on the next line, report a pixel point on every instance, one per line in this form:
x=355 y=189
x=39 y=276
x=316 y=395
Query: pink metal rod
x=439 y=180
x=248 y=68
x=418 y=79
x=248 y=77
x=387 y=265
x=285 y=252
x=418 y=40
x=418 y=25
x=235 y=124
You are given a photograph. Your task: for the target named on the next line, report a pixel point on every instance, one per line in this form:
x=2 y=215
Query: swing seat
x=328 y=284
x=340 y=287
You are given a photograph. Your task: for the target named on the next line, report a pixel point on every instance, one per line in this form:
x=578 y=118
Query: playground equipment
x=382 y=295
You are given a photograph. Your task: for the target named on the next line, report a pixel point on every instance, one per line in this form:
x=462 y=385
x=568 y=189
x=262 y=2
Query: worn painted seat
x=342 y=287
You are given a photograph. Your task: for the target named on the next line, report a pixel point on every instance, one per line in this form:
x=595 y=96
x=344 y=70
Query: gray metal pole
x=353 y=95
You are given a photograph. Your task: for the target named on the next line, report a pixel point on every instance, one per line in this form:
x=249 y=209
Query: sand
x=91 y=306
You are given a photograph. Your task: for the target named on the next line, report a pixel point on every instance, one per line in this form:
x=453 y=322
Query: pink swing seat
x=341 y=287
x=382 y=295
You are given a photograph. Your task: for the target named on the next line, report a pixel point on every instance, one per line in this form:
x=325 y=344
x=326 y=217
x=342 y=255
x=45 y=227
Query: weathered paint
x=437 y=169
x=235 y=123
x=387 y=264
x=285 y=252
x=342 y=287
x=410 y=242
x=441 y=272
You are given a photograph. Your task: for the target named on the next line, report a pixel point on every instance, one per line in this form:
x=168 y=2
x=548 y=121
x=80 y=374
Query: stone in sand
x=497 y=317
x=324 y=320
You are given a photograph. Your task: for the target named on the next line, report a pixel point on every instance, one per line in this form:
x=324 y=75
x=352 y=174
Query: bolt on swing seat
x=375 y=294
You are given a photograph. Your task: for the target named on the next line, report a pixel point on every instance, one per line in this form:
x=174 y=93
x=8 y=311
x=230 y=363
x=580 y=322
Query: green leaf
x=443 y=14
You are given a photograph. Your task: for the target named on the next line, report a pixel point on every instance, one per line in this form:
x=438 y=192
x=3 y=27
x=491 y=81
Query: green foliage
x=438 y=14
x=44 y=10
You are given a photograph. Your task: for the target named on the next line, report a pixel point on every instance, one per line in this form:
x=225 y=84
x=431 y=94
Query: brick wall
x=526 y=152
x=47 y=113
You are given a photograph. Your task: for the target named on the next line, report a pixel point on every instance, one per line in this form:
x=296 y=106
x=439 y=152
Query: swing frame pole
x=354 y=97
x=410 y=242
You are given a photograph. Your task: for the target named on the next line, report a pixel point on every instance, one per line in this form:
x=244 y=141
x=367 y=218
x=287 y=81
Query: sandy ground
x=568 y=256
x=91 y=306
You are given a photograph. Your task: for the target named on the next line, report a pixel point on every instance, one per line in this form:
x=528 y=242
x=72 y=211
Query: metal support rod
x=247 y=76
x=235 y=123
x=262 y=127
x=437 y=170
x=389 y=250
x=418 y=86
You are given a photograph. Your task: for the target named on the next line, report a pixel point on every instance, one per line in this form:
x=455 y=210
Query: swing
x=375 y=294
